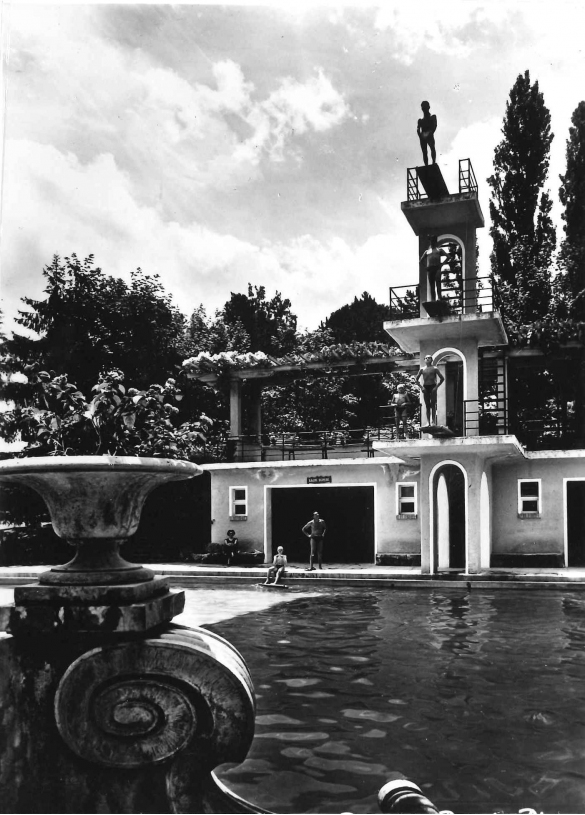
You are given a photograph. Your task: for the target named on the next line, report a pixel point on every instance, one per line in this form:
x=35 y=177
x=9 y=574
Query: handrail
x=413 y=192
x=487 y=416
x=463 y=296
x=287 y=445
x=407 y=305
x=467 y=179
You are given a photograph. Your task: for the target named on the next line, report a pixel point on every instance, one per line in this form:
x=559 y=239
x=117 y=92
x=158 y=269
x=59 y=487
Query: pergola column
x=235 y=407
x=254 y=389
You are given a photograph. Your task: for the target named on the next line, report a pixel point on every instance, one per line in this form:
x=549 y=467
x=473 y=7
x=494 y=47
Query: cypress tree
x=522 y=230
x=572 y=195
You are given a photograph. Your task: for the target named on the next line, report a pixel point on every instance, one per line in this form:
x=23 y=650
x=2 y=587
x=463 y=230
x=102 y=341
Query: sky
x=221 y=145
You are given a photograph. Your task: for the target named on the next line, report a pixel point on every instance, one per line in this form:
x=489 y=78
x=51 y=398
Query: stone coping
x=189 y=575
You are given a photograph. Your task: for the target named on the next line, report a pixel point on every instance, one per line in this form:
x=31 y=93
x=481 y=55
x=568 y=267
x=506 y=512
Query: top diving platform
x=431 y=179
x=430 y=206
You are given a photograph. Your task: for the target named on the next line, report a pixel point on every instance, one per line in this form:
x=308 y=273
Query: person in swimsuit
x=277 y=570
x=430 y=374
x=230 y=546
x=426 y=133
x=434 y=257
x=403 y=405
x=315 y=530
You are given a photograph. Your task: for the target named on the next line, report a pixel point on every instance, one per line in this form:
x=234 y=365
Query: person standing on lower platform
x=403 y=409
x=430 y=374
x=315 y=530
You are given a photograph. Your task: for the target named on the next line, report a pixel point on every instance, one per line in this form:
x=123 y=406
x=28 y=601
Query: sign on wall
x=319 y=479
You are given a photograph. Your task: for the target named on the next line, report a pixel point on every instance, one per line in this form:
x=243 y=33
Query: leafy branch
x=58 y=419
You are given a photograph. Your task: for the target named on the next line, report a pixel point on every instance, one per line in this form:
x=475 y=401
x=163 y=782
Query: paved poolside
x=194 y=574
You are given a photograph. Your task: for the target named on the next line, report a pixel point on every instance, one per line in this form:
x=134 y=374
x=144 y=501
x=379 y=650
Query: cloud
x=293 y=109
x=110 y=152
x=94 y=96
x=88 y=208
x=478 y=142
x=454 y=28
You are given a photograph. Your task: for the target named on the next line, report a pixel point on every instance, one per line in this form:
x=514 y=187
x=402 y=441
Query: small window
x=238 y=503
x=529 y=500
x=406 y=500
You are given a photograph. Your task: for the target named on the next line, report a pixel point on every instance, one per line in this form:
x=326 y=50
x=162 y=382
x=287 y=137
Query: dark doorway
x=348 y=512
x=575 y=523
x=454 y=396
x=455 y=482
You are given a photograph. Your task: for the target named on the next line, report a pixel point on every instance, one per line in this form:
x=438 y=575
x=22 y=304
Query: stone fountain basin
x=95 y=496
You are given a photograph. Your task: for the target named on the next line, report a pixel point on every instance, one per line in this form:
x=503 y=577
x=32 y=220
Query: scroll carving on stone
x=134 y=704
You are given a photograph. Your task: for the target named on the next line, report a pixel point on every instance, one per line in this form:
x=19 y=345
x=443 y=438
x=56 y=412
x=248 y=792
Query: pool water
x=477 y=697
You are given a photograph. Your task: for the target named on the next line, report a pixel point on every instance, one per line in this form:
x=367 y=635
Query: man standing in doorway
x=430 y=374
x=315 y=530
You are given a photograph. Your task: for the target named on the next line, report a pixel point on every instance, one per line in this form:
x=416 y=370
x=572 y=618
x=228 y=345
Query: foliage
x=269 y=324
x=90 y=322
x=359 y=321
x=549 y=334
x=59 y=420
x=522 y=230
x=213 y=336
x=572 y=194
x=246 y=324
x=331 y=400
x=572 y=190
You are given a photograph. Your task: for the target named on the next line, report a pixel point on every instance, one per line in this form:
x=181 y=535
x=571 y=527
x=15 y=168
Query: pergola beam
x=349 y=367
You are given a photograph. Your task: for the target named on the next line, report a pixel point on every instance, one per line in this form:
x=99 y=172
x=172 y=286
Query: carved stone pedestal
x=105 y=706
x=86 y=609
x=132 y=725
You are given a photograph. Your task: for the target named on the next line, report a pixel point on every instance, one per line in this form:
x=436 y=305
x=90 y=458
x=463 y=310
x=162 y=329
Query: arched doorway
x=451 y=401
x=448 y=493
x=453 y=263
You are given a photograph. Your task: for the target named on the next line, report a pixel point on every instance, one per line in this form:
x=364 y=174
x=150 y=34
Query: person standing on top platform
x=426 y=133
x=430 y=373
x=315 y=530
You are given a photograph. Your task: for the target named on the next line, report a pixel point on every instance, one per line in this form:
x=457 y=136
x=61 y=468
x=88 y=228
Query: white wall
x=391 y=535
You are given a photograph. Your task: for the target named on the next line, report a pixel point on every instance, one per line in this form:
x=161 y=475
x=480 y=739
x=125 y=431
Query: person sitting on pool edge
x=230 y=546
x=278 y=568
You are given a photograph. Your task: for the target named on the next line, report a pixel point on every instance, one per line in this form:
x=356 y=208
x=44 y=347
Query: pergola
x=259 y=370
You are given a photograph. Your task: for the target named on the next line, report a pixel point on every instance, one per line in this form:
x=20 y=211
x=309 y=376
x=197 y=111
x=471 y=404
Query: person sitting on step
x=278 y=568
x=230 y=546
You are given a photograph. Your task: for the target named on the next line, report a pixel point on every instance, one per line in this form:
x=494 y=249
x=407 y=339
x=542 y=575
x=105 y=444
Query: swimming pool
x=477 y=697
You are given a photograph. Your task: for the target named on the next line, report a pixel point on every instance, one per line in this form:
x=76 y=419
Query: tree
x=522 y=230
x=572 y=195
x=359 y=321
x=90 y=321
x=213 y=335
x=270 y=324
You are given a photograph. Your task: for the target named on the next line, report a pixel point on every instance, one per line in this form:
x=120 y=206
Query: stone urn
x=95 y=503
